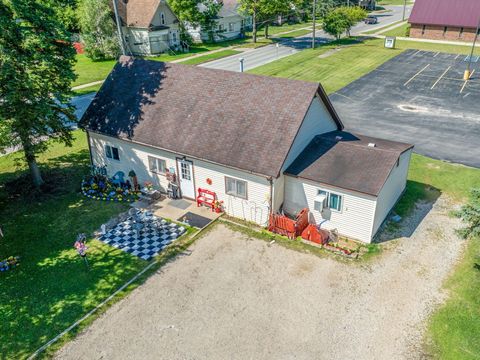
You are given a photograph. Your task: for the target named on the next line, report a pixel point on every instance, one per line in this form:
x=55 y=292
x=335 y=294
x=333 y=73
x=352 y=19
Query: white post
x=241 y=64
x=119 y=27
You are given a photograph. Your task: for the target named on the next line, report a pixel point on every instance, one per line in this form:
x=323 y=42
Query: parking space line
x=414 y=76
x=456 y=57
x=417 y=52
x=436 y=54
x=440 y=78
x=466 y=82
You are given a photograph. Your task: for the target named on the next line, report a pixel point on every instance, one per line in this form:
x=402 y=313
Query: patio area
x=180 y=210
x=143 y=234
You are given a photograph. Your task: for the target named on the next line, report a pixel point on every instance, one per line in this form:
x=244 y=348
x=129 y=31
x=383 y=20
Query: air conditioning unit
x=319 y=202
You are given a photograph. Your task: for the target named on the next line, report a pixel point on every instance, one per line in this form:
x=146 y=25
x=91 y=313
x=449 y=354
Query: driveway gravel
x=231 y=297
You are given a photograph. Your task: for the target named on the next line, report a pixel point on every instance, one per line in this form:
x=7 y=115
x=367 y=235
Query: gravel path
x=238 y=298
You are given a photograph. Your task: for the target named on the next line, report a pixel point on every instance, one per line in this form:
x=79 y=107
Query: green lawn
x=89 y=71
x=51 y=288
x=401 y=31
x=210 y=57
x=294 y=34
x=334 y=71
x=380 y=29
x=353 y=61
x=88 y=90
x=274 y=30
x=454 y=329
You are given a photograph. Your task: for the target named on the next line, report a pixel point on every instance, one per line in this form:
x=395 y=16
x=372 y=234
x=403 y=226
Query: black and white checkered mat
x=145 y=237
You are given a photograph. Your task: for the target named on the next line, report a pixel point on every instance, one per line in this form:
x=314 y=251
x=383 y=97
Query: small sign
x=390 y=42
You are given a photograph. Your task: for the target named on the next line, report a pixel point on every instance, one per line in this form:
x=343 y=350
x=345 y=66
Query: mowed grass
x=210 y=57
x=453 y=332
x=51 y=288
x=335 y=70
x=294 y=34
x=401 y=31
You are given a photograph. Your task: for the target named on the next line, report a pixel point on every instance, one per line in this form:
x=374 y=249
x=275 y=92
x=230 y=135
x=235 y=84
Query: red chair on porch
x=207 y=198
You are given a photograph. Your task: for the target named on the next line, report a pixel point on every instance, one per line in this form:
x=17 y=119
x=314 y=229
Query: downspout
x=89 y=148
x=270 y=180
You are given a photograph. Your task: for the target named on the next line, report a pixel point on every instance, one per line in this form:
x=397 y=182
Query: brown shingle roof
x=349 y=162
x=138 y=13
x=459 y=13
x=239 y=120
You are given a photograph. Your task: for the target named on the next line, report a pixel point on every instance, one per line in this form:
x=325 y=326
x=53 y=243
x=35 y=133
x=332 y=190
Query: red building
x=454 y=20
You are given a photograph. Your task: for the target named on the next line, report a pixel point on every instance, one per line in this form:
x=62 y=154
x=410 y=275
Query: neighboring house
x=445 y=19
x=262 y=144
x=231 y=24
x=149 y=26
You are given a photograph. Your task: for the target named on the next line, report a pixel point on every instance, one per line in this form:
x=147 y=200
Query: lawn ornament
x=82 y=248
x=118 y=178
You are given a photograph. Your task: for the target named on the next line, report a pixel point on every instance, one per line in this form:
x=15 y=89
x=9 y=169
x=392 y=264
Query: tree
x=67 y=12
x=187 y=10
x=98 y=30
x=341 y=19
x=208 y=17
x=335 y=23
x=470 y=214
x=36 y=71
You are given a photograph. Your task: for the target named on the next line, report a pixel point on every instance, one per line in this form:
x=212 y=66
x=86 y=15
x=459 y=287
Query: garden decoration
x=100 y=187
x=133 y=175
x=9 y=263
x=82 y=248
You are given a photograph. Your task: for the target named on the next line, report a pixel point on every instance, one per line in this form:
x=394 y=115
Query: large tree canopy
x=36 y=71
x=98 y=29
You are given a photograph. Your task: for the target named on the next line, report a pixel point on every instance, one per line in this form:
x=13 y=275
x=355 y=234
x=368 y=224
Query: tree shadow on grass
x=52 y=288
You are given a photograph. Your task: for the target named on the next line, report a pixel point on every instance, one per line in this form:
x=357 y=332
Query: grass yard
x=454 y=329
x=89 y=71
x=294 y=34
x=401 y=31
x=394 y=2
x=336 y=69
x=51 y=288
x=380 y=29
x=87 y=90
x=210 y=57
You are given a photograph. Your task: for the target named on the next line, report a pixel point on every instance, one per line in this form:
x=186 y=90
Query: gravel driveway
x=239 y=298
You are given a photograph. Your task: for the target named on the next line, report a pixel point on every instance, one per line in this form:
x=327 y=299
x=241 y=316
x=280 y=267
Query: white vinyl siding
x=355 y=220
x=156 y=165
x=255 y=209
x=392 y=190
x=317 y=121
x=278 y=192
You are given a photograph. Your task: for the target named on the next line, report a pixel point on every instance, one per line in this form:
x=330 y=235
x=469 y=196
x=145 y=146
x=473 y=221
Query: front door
x=187 y=186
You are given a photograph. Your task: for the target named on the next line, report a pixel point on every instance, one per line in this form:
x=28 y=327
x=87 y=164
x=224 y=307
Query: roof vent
x=338 y=138
x=371 y=145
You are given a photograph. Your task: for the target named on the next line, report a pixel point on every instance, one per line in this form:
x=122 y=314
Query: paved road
x=257 y=57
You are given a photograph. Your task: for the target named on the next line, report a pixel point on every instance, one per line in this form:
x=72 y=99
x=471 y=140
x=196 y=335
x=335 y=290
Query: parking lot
x=419 y=97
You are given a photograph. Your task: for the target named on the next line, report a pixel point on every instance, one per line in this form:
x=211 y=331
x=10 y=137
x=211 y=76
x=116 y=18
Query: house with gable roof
x=262 y=144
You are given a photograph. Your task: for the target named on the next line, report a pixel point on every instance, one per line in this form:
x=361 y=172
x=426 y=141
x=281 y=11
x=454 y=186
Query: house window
x=162 y=18
x=157 y=166
x=221 y=27
x=325 y=200
x=112 y=152
x=423 y=30
x=231 y=27
x=174 y=36
x=235 y=187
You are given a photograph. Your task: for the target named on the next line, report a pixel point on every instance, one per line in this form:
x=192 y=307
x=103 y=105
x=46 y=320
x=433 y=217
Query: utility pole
x=467 y=74
x=119 y=27
x=314 y=22
x=404 y=10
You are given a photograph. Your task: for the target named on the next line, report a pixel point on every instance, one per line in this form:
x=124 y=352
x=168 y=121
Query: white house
x=261 y=144
x=149 y=26
x=231 y=24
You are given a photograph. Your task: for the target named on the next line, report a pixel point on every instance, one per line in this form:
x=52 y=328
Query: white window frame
x=327 y=202
x=231 y=27
x=157 y=169
x=109 y=150
x=236 y=192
